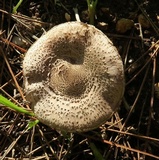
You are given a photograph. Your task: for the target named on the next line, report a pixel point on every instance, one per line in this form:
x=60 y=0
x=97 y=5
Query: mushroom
x=73 y=77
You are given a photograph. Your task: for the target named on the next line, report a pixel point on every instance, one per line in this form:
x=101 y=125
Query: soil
x=132 y=133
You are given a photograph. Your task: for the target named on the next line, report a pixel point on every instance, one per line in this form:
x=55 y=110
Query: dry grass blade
x=135 y=135
x=13 y=45
x=152 y=55
x=12 y=74
x=11 y=147
x=156 y=29
x=113 y=144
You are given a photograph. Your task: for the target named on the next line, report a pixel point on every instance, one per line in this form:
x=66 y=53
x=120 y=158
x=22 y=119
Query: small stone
x=123 y=25
x=102 y=26
x=143 y=21
x=67 y=17
x=19 y=41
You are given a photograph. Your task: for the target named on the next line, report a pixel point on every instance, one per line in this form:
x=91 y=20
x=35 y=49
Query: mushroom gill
x=73 y=77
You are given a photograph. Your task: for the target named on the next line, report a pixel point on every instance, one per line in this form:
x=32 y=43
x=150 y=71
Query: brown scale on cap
x=73 y=77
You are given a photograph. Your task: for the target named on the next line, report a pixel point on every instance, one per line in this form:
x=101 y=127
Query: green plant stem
x=11 y=105
x=96 y=152
x=92 y=9
x=17 y=6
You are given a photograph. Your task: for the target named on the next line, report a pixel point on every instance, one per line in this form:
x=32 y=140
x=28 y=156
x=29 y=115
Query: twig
x=12 y=145
x=134 y=135
x=121 y=146
x=151 y=116
x=136 y=99
x=12 y=74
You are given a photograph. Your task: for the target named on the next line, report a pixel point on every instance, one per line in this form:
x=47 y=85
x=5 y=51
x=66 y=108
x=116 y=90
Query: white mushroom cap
x=73 y=77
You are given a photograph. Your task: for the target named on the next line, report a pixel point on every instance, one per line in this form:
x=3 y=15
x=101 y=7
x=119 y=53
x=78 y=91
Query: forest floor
x=132 y=133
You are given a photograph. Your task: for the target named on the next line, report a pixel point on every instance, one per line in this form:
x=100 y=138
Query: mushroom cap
x=73 y=77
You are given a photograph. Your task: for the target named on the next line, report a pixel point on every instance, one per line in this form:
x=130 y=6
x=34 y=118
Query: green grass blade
x=96 y=152
x=11 y=105
x=32 y=123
